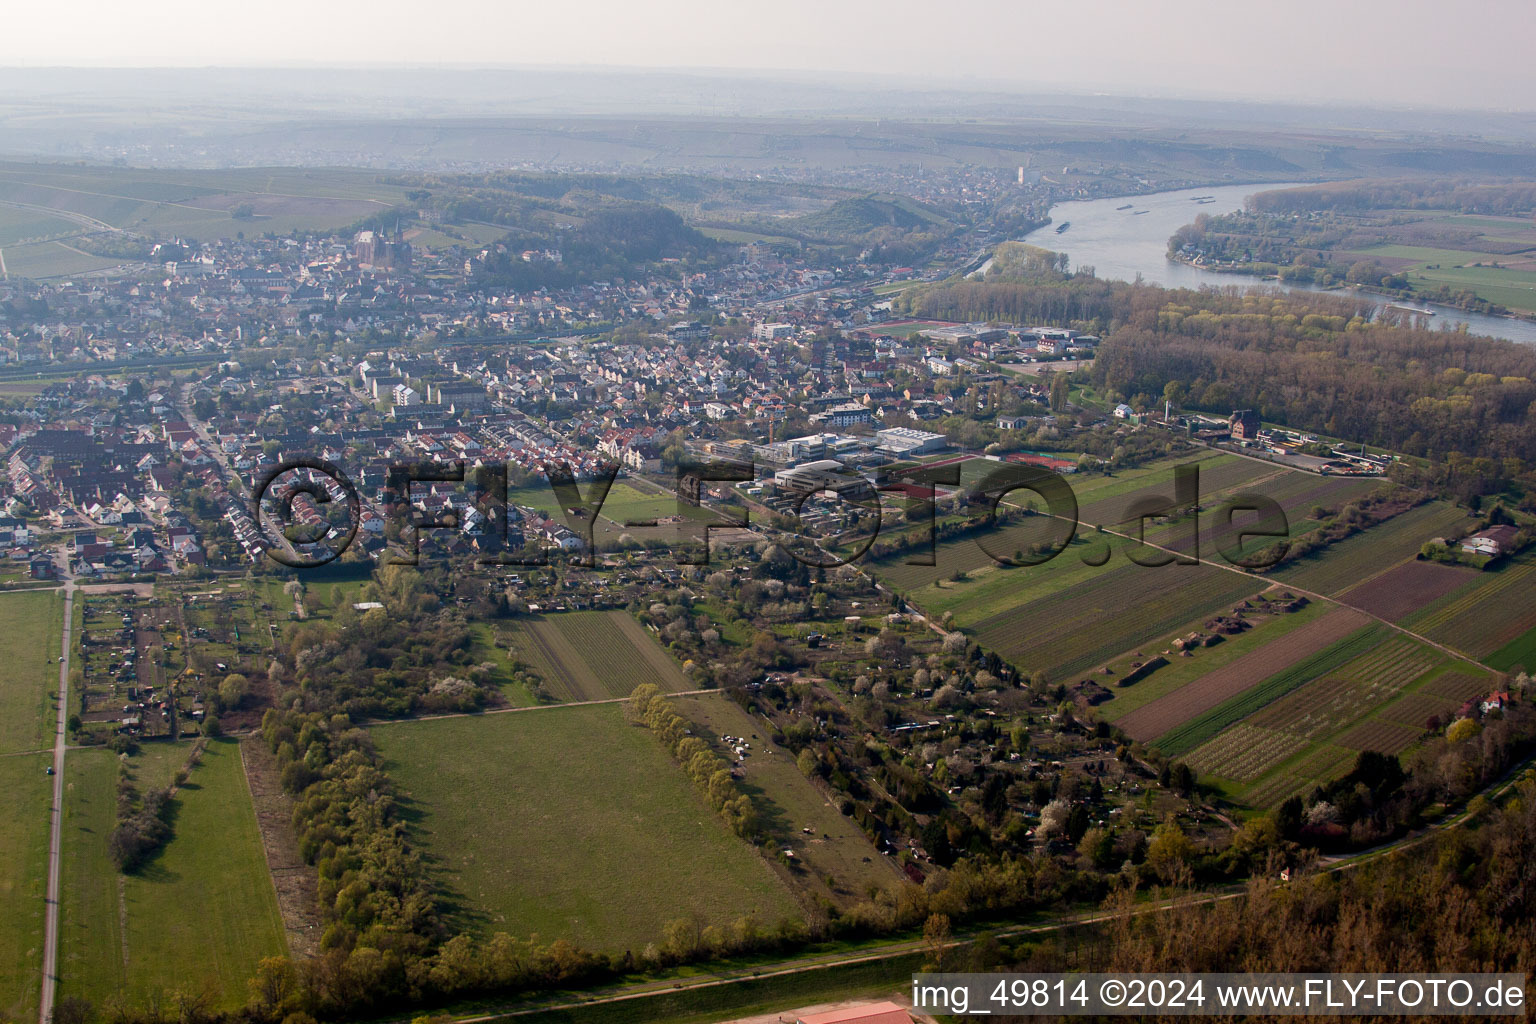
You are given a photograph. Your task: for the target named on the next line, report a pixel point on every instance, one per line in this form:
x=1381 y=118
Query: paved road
x=69 y=215
x=3 y=275
x=51 y=919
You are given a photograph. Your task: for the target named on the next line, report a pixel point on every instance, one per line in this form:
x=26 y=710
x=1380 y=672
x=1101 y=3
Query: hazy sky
x=1412 y=52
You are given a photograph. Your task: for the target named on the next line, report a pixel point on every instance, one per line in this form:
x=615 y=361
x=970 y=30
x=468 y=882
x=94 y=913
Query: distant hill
x=863 y=217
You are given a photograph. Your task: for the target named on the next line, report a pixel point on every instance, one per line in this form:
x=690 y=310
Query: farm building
x=1245 y=424
x=1494 y=541
x=874 y=1013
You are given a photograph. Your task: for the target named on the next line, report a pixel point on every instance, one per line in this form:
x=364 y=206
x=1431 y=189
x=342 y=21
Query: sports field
x=198 y=916
x=626 y=502
x=595 y=655
x=570 y=822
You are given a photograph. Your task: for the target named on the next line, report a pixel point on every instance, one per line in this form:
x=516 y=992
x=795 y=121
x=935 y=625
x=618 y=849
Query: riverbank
x=1397 y=295
x=1125 y=245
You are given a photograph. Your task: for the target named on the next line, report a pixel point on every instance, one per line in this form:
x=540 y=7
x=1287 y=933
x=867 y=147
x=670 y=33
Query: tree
x=1098 y=846
x=233 y=690
x=274 y=983
x=937 y=932
x=1053 y=817
x=1174 y=392
x=1060 y=392
x=1462 y=729
x=73 y=1010
x=1169 y=852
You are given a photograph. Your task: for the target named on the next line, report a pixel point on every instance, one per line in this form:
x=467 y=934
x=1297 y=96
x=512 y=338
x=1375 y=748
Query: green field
x=836 y=849
x=1180 y=671
x=25 y=795
x=1519 y=653
x=598 y=655
x=1102 y=500
x=30 y=625
x=1493 y=617
x=1112 y=612
x=53 y=259
x=198 y=203
x=1371 y=552
x=627 y=503
x=1196 y=731
x=198 y=917
x=570 y=822
x=17 y=226
x=490 y=647
x=1514 y=288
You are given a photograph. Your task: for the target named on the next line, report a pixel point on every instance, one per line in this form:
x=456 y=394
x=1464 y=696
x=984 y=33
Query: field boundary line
x=1271 y=583
x=533 y=707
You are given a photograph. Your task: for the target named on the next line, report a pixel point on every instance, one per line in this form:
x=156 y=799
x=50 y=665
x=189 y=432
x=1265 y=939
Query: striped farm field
x=1298 y=776
x=1296 y=493
x=1480 y=620
x=1102 y=501
x=1107 y=614
x=1400 y=592
x=1458 y=686
x=1182 y=670
x=963 y=555
x=1196 y=731
x=1244 y=752
x=1211 y=690
x=1382 y=737
x=1369 y=553
x=1417 y=709
x=1218 y=474
x=1367 y=682
x=595 y=655
x=1381 y=700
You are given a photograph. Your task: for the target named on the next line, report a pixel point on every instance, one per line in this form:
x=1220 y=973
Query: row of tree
x=708 y=770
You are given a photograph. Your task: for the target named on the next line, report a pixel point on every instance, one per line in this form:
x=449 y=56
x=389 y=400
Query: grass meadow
x=30 y=625
x=570 y=822
x=593 y=655
x=196 y=918
x=838 y=861
x=25 y=795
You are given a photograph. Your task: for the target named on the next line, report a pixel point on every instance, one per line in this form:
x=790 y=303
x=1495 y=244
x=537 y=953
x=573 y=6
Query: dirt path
x=56 y=816
x=295 y=881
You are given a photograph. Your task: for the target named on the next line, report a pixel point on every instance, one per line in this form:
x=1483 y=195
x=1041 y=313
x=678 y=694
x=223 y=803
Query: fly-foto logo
x=309 y=512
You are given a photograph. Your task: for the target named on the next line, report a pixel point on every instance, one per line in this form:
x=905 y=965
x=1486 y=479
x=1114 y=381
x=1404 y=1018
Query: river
x=1119 y=244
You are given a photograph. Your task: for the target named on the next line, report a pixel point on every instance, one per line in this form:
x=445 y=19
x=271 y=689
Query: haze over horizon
x=1394 y=54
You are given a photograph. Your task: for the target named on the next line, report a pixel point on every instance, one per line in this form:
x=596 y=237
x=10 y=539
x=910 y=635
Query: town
x=723 y=567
